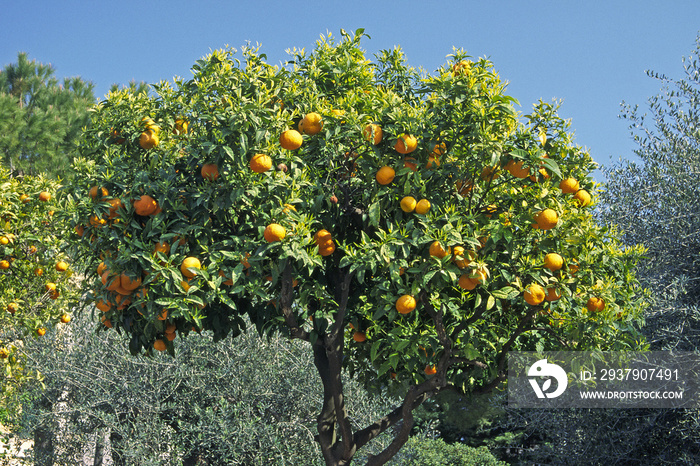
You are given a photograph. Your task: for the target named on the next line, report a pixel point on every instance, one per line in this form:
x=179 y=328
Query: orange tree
x=35 y=285
x=410 y=227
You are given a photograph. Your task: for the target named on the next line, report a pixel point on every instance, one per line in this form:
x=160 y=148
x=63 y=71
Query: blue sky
x=591 y=54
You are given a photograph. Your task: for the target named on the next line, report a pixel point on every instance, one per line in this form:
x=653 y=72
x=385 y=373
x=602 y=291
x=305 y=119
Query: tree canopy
x=41 y=117
x=411 y=227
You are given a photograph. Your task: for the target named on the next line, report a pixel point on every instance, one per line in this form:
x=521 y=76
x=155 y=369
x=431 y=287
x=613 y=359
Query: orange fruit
x=291 y=139
x=405 y=144
x=79 y=230
x=359 y=336
x=24 y=198
x=159 y=345
x=12 y=308
x=145 y=205
x=65 y=318
x=170 y=336
x=436 y=250
x=106 y=322
x=311 y=124
x=517 y=169
x=228 y=282
x=430 y=370
x=582 y=197
x=162 y=247
x=114 y=204
x=546 y=219
x=4 y=240
x=44 y=196
x=327 y=248
x=467 y=283
x=61 y=266
x=467 y=257
x=385 y=175
x=260 y=163
x=489 y=173
x=103 y=306
x=148 y=139
x=38 y=271
x=408 y=204
x=553 y=261
x=405 y=304
x=595 y=304
x=96 y=221
x=321 y=236
x=41 y=331
x=210 y=171
x=423 y=206
x=373 y=133
x=534 y=294
x=128 y=283
x=163 y=315
x=552 y=294
x=274 y=232
x=410 y=162
x=569 y=186
x=4 y=264
x=463 y=187
x=190 y=263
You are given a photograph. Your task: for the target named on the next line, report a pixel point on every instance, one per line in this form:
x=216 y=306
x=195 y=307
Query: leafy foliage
x=255 y=223
x=31 y=243
x=41 y=118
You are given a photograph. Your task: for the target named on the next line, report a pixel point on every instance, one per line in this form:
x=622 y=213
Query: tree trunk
x=43 y=447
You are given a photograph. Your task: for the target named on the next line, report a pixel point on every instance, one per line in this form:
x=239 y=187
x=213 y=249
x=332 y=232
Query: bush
x=435 y=452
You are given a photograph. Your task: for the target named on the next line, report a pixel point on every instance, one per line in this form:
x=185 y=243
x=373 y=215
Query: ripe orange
x=408 y=204
x=430 y=370
x=467 y=283
x=145 y=205
x=106 y=322
x=291 y=139
x=4 y=240
x=547 y=219
x=583 y=198
x=65 y=318
x=170 y=336
x=463 y=187
x=96 y=221
x=321 y=236
x=24 y=198
x=423 y=206
x=41 y=331
x=260 y=163
x=274 y=232
x=61 y=266
x=115 y=204
x=595 y=304
x=79 y=230
x=436 y=250
x=410 y=162
x=148 y=139
x=553 y=261
x=228 y=282
x=159 y=345
x=405 y=144
x=552 y=294
x=38 y=271
x=12 y=308
x=467 y=257
x=569 y=186
x=103 y=306
x=210 y=171
x=44 y=196
x=359 y=336
x=517 y=169
x=4 y=264
x=373 y=133
x=127 y=283
x=534 y=294
x=405 y=304
x=163 y=315
x=311 y=124
x=385 y=175
x=162 y=247
x=489 y=173
x=190 y=263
